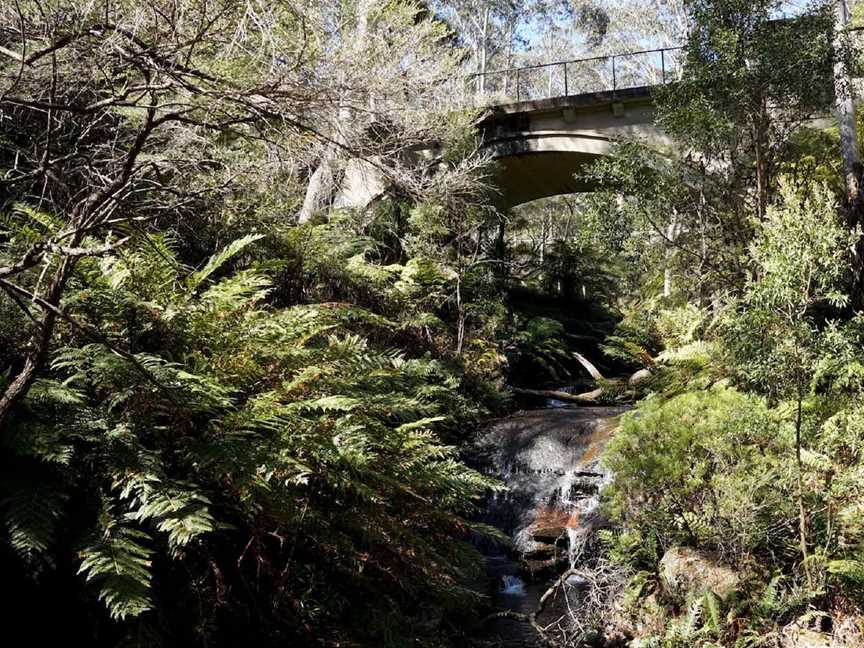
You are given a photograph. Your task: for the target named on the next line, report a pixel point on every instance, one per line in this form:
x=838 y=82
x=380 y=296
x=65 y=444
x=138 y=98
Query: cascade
x=550 y=461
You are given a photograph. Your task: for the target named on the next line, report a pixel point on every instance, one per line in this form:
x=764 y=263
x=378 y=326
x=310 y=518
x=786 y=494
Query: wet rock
x=686 y=573
x=540 y=551
x=548 y=533
x=536 y=568
x=640 y=378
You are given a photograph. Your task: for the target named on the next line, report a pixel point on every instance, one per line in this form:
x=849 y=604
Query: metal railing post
x=614 y=79
x=518 y=87
x=663 y=66
x=566 y=92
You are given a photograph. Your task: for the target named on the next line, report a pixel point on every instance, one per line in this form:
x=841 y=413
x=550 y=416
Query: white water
x=512 y=586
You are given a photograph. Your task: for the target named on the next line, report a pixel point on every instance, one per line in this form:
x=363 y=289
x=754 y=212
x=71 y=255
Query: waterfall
x=512 y=585
x=550 y=461
x=572 y=546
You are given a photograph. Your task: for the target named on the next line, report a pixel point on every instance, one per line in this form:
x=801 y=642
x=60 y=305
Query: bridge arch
x=542 y=146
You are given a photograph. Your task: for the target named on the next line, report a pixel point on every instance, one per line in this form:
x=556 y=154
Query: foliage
x=703 y=467
x=230 y=423
x=798 y=257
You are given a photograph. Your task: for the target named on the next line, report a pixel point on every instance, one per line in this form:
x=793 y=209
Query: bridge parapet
x=597 y=74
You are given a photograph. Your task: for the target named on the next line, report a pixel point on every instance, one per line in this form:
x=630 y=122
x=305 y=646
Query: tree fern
x=175 y=508
x=849 y=570
x=219 y=259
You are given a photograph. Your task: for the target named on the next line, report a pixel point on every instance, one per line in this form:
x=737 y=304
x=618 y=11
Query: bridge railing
x=577 y=76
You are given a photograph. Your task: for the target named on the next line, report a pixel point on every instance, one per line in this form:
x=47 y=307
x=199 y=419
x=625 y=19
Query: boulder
x=820 y=630
x=640 y=378
x=795 y=636
x=536 y=568
x=539 y=551
x=688 y=573
x=548 y=533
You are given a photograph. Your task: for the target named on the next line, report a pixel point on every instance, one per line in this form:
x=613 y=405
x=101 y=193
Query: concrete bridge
x=542 y=146
x=555 y=128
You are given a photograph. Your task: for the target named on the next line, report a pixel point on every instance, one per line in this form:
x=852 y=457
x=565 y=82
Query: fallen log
x=585 y=397
x=589 y=367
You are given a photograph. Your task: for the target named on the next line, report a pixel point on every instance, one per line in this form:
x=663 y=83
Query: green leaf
x=119 y=564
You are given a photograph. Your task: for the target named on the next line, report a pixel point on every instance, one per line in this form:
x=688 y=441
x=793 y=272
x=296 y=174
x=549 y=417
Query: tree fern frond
x=52 y=391
x=237 y=290
x=850 y=570
x=332 y=404
x=31 y=510
x=177 y=509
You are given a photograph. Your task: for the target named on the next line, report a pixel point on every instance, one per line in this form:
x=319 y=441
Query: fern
x=219 y=259
x=118 y=563
x=236 y=291
x=176 y=509
x=32 y=509
x=851 y=571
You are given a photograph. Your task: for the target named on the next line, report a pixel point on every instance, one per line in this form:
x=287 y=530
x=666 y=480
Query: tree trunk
x=671 y=235
x=844 y=109
x=760 y=142
x=39 y=342
x=802 y=510
x=587 y=397
x=321 y=187
x=483 y=53
x=460 y=317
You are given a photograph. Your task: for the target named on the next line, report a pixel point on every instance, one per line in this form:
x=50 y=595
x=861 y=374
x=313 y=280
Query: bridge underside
x=523 y=178
x=542 y=147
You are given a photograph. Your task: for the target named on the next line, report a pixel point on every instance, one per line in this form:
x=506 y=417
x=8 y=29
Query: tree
x=741 y=96
x=799 y=258
x=844 y=109
x=120 y=96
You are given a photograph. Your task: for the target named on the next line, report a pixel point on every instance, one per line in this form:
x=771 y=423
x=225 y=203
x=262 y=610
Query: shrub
x=705 y=467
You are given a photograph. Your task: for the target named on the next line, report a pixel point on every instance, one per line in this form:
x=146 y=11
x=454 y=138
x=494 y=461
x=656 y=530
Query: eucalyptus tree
x=393 y=67
x=799 y=259
x=844 y=109
x=749 y=81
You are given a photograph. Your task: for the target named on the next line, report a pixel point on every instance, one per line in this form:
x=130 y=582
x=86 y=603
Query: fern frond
x=176 y=508
x=31 y=510
x=119 y=564
x=237 y=290
x=849 y=570
x=219 y=259
x=45 y=390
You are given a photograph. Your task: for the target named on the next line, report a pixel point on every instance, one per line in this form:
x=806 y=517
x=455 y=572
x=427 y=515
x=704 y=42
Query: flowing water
x=549 y=459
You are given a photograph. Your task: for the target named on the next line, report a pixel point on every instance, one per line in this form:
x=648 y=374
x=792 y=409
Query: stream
x=549 y=459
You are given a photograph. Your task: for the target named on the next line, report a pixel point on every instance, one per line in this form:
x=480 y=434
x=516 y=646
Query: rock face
x=687 y=573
